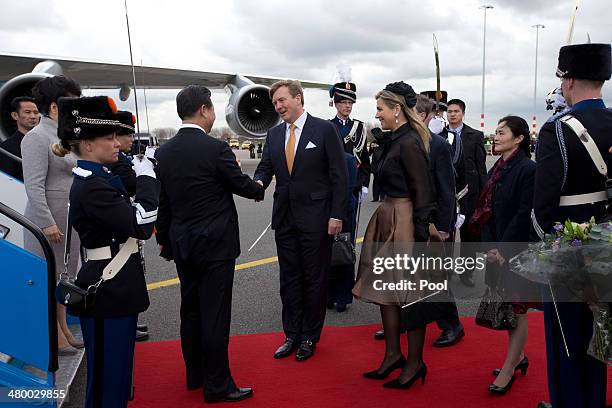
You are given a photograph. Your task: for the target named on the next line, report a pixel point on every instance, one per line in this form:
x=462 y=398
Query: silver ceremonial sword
x=421 y=299
x=558 y=319
x=260 y=236
x=570 y=31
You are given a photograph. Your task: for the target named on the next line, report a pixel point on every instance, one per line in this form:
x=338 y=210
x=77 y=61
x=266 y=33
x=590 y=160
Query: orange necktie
x=290 y=148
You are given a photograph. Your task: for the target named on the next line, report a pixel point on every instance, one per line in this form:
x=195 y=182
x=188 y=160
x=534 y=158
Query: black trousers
x=206 y=308
x=577 y=381
x=304 y=259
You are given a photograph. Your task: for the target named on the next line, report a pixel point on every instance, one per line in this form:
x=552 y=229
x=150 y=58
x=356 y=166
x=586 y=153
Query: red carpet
x=457 y=377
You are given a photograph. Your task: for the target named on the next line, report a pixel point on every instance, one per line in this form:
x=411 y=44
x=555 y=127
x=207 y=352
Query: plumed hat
x=86 y=118
x=342 y=91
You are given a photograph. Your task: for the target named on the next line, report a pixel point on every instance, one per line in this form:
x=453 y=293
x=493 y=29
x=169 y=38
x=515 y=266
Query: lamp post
x=484 y=47
x=535 y=81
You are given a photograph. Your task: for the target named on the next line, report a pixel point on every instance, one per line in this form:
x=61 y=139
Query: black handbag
x=78 y=300
x=67 y=293
x=493 y=312
x=343 y=251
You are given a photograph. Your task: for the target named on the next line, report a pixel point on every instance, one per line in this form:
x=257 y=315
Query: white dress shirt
x=299 y=125
x=191 y=125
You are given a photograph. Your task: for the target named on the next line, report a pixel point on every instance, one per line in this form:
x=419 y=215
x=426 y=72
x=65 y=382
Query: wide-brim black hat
x=343 y=91
x=86 y=118
x=127 y=121
x=443 y=98
x=585 y=61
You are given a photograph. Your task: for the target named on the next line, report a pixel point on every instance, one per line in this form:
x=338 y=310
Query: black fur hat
x=343 y=91
x=127 y=121
x=443 y=98
x=585 y=61
x=86 y=118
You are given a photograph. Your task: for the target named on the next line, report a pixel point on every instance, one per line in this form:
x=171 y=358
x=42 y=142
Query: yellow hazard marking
x=246 y=265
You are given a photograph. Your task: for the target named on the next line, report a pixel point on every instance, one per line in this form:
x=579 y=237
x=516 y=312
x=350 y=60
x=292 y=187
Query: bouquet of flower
x=575 y=255
x=577 y=260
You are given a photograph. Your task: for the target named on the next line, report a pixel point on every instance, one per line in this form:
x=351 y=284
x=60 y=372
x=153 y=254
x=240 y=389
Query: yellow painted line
x=246 y=265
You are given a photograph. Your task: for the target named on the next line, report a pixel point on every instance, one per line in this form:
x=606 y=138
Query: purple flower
x=576 y=243
x=558 y=227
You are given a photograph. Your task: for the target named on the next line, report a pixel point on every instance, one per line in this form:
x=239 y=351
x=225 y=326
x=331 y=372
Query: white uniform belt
x=99 y=254
x=580 y=199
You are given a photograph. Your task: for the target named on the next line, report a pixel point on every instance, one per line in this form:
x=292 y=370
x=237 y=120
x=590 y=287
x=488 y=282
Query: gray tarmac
x=256 y=306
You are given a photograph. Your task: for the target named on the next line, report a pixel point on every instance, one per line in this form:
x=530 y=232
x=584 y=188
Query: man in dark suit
x=306 y=156
x=25 y=114
x=198 y=227
x=443 y=175
x=473 y=159
x=569 y=185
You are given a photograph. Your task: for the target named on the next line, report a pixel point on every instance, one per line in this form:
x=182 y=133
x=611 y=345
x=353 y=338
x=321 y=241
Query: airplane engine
x=19 y=86
x=249 y=111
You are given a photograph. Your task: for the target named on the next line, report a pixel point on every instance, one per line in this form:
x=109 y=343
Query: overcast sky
x=382 y=40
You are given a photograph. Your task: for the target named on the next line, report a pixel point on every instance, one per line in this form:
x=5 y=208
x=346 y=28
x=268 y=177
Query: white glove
x=436 y=125
x=143 y=166
x=363 y=194
x=150 y=152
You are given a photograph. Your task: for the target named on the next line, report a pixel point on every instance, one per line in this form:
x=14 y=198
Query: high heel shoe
x=421 y=373
x=523 y=365
x=376 y=375
x=495 y=389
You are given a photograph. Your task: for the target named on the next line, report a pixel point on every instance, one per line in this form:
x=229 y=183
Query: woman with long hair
x=401 y=220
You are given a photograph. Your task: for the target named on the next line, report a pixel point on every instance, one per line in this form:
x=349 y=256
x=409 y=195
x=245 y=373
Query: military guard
x=438 y=122
x=123 y=168
x=354 y=139
x=570 y=183
x=108 y=224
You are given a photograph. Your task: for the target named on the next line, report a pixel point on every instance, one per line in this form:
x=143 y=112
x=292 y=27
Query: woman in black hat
x=400 y=221
x=108 y=225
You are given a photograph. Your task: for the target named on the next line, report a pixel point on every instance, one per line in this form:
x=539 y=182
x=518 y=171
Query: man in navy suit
x=307 y=158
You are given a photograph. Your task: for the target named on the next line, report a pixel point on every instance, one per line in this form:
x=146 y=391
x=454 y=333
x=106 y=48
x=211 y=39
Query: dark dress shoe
x=377 y=375
x=305 y=351
x=142 y=335
x=544 y=404
x=380 y=335
x=142 y=327
x=494 y=389
x=340 y=308
x=523 y=365
x=238 y=395
x=467 y=280
x=285 y=349
x=449 y=337
x=421 y=373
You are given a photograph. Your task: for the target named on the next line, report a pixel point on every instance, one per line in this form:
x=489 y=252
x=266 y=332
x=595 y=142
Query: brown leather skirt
x=389 y=232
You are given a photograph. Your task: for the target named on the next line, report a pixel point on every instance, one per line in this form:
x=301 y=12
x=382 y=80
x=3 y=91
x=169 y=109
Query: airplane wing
x=103 y=75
